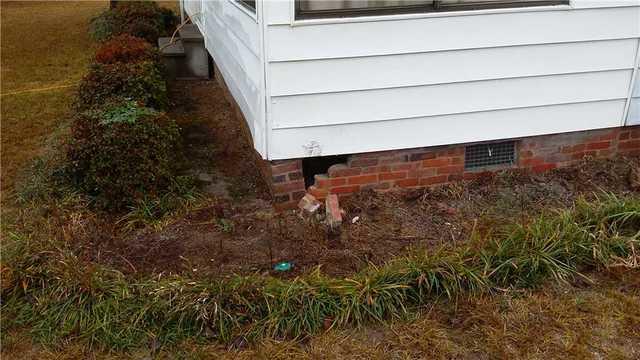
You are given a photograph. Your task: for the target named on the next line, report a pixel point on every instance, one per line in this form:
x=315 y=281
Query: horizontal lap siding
x=633 y=118
x=374 y=72
x=232 y=39
x=450 y=129
x=408 y=102
x=288 y=43
x=372 y=86
x=634 y=112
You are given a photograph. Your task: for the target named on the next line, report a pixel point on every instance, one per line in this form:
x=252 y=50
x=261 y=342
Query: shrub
x=103 y=26
x=125 y=48
x=144 y=19
x=123 y=154
x=142 y=82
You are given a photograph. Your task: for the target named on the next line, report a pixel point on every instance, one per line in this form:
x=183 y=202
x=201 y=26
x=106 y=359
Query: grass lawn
x=46 y=47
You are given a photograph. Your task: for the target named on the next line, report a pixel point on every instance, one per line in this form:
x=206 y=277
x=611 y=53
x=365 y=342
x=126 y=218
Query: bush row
x=143 y=19
x=60 y=297
x=123 y=149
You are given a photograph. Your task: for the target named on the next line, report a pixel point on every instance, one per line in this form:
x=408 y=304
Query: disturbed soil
x=236 y=231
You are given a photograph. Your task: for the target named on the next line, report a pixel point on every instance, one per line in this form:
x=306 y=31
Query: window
x=249 y=4
x=309 y=9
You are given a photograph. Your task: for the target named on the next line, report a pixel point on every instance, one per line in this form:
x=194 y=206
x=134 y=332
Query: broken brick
x=334 y=216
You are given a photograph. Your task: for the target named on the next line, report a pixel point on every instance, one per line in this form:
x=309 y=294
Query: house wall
x=233 y=37
x=409 y=81
x=633 y=117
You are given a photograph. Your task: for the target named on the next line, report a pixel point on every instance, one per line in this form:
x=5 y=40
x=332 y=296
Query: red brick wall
x=287 y=182
x=443 y=164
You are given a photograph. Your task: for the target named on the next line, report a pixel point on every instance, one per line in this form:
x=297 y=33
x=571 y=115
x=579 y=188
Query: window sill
x=376 y=18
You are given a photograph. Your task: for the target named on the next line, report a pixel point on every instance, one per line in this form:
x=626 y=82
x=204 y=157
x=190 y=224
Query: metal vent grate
x=484 y=155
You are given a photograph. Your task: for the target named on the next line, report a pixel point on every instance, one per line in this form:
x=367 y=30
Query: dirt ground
x=236 y=231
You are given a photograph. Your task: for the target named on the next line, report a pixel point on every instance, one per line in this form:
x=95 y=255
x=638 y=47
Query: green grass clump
x=60 y=297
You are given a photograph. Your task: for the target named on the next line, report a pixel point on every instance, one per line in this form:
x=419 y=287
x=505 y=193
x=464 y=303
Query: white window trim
x=253 y=15
x=375 y=18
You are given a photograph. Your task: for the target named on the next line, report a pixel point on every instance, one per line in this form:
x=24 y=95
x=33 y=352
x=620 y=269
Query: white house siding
x=633 y=114
x=634 y=106
x=357 y=86
x=233 y=38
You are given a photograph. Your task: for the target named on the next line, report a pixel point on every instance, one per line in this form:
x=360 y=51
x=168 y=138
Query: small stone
x=204 y=177
x=309 y=204
x=412 y=194
x=446 y=209
x=334 y=215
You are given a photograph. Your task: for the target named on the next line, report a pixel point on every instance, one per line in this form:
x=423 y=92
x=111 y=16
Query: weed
x=224 y=225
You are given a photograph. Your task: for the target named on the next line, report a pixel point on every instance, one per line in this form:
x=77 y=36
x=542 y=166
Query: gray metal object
x=487 y=155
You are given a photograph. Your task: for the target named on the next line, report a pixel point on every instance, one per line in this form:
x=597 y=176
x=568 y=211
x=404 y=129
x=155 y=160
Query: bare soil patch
x=237 y=232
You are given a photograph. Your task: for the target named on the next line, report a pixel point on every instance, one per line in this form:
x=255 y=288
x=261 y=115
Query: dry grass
x=44 y=45
x=600 y=321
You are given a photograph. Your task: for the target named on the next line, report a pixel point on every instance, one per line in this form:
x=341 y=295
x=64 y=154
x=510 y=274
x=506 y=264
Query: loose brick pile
x=439 y=165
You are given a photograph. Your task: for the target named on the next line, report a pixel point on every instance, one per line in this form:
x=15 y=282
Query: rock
x=334 y=215
x=204 y=177
x=412 y=194
x=634 y=178
x=309 y=204
x=446 y=209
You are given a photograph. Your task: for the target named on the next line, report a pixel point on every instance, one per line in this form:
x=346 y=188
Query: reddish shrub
x=126 y=49
x=140 y=81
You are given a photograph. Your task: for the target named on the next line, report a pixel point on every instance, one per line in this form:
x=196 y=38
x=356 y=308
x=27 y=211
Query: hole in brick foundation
x=319 y=165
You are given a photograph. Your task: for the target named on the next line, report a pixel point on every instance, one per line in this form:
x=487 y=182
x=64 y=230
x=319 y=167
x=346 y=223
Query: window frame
x=249 y=5
x=300 y=14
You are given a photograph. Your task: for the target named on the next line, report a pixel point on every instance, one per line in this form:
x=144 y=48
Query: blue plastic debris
x=283 y=266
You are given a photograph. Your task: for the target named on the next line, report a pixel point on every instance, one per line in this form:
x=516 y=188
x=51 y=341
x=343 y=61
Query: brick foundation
x=286 y=182
x=443 y=164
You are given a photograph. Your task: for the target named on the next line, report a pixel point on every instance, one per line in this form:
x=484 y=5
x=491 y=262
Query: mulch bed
x=243 y=235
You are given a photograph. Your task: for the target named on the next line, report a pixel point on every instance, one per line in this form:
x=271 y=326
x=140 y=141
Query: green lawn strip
x=61 y=297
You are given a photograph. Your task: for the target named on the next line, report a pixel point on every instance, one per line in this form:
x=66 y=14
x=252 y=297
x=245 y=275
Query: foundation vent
x=488 y=155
